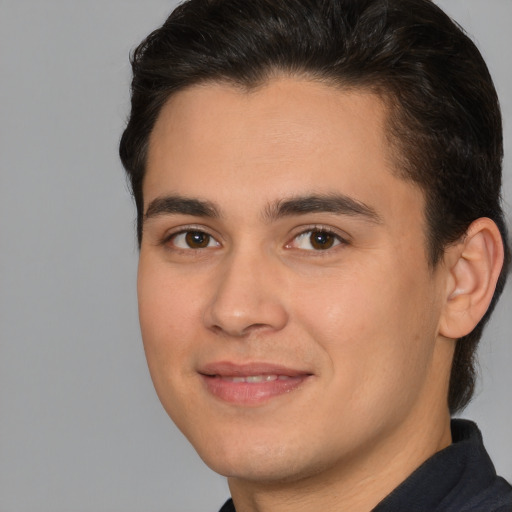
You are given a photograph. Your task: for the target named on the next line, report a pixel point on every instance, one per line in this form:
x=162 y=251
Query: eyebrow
x=178 y=205
x=338 y=204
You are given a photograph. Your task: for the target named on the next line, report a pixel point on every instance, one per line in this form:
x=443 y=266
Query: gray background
x=80 y=426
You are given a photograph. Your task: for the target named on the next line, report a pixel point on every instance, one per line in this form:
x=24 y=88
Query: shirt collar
x=447 y=480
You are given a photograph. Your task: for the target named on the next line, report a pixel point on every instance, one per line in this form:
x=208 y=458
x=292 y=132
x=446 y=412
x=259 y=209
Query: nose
x=247 y=297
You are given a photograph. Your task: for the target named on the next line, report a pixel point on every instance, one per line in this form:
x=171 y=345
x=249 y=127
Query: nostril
x=241 y=332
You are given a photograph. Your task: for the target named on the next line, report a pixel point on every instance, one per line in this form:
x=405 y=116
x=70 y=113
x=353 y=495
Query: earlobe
x=474 y=265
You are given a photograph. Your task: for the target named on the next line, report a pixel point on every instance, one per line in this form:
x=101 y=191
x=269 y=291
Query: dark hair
x=444 y=118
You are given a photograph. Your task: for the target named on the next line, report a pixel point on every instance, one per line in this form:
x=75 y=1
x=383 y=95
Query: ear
x=474 y=265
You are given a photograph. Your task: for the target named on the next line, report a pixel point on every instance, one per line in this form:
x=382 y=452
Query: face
x=288 y=312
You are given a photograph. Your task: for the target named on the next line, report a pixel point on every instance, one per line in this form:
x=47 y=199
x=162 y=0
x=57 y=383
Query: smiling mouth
x=250 y=385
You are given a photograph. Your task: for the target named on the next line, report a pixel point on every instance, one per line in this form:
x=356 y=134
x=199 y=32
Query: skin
x=361 y=318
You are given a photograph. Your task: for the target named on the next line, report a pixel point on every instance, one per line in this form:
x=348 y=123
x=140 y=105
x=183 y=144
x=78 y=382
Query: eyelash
x=338 y=240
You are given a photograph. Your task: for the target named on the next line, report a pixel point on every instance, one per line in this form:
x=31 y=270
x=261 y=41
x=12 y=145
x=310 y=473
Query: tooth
x=254 y=378
x=284 y=377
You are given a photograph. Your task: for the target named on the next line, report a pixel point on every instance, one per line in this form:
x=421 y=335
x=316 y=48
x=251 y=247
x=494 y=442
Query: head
x=443 y=119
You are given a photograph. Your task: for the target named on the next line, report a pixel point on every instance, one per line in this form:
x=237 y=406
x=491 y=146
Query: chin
x=266 y=468
x=261 y=458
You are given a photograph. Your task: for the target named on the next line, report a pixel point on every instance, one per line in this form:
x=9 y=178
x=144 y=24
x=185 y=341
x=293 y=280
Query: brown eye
x=321 y=240
x=316 y=240
x=197 y=239
x=192 y=239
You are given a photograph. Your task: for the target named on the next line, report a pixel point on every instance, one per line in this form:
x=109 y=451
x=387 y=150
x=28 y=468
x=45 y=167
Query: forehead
x=285 y=116
x=288 y=137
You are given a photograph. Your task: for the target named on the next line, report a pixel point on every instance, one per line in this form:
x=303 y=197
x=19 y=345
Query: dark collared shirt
x=460 y=478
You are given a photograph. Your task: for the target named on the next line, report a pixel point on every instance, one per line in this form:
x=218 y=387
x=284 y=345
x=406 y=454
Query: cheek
x=167 y=313
x=373 y=328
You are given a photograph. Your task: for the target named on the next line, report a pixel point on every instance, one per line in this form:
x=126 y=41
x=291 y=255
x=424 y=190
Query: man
x=321 y=243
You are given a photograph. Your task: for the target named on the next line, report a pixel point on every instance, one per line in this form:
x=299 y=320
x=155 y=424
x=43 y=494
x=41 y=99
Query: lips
x=250 y=384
